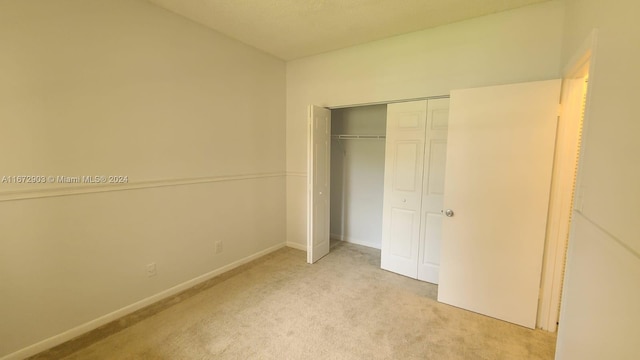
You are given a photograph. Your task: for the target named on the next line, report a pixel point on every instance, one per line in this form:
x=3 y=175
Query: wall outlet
x=218 y=247
x=152 y=270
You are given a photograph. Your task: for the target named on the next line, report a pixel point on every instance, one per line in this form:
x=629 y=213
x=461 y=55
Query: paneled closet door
x=435 y=157
x=403 y=175
x=318 y=183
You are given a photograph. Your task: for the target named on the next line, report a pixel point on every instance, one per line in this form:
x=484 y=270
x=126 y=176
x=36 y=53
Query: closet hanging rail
x=351 y=137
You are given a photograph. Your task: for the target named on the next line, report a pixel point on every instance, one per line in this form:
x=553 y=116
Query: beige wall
x=600 y=316
x=514 y=46
x=121 y=87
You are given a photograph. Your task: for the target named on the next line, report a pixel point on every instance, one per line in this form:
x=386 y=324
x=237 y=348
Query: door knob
x=448 y=212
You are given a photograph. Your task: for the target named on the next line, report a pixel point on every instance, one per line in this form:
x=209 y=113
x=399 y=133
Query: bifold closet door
x=414 y=187
x=435 y=157
x=403 y=173
x=318 y=186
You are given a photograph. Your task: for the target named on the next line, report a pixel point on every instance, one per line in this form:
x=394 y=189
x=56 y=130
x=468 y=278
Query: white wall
x=357 y=175
x=121 y=87
x=514 y=46
x=600 y=316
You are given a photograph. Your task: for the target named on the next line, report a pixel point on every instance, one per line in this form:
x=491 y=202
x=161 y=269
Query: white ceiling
x=291 y=29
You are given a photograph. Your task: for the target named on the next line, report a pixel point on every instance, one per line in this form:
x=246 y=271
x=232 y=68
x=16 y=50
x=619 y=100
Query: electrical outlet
x=152 y=270
x=218 y=247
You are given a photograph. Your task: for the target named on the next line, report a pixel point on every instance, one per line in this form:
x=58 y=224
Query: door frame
x=581 y=65
x=310 y=163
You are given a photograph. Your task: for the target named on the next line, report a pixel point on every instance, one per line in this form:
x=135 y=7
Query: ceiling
x=291 y=29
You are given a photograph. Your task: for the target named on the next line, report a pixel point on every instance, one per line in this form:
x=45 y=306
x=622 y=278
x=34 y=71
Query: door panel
x=433 y=238
x=404 y=154
x=436 y=166
x=433 y=190
x=498 y=172
x=319 y=183
x=406 y=165
x=402 y=225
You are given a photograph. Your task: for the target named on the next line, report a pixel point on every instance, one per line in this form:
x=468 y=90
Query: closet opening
x=366 y=169
x=357 y=174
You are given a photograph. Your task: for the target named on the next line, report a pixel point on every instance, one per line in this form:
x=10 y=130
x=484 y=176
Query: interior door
x=404 y=151
x=498 y=172
x=435 y=157
x=318 y=185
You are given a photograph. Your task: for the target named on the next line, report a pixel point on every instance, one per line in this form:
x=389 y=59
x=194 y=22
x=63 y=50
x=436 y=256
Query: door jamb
x=581 y=65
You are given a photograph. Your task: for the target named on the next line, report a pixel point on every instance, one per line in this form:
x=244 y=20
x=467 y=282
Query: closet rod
x=351 y=137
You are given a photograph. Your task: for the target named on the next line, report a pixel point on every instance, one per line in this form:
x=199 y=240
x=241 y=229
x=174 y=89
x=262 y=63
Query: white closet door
x=403 y=187
x=435 y=157
x=319 y=183
x=499 y=160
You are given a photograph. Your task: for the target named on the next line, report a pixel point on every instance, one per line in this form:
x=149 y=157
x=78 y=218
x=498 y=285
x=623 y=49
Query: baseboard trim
x=130 y=309
x=354 y=241
x=297 y=246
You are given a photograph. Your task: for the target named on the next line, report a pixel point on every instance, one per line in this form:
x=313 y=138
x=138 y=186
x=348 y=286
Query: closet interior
x=357 y=174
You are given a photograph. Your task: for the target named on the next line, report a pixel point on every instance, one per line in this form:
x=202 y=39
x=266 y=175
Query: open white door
x=404 y=154
x=318 y=186
x=498 y=172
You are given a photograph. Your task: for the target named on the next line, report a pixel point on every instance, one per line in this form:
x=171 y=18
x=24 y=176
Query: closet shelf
x=352 y=137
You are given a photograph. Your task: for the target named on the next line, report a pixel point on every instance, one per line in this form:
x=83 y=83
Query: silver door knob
x=448 y=212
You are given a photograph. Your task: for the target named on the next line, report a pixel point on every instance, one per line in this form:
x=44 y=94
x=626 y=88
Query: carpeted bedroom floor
x=342 y=307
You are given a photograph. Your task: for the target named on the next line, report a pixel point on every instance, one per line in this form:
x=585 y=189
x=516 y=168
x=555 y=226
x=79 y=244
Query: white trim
x=105 y=319
x=555 y=249
x=297 y=173
x=388 y=102
x=582 y=55
x=296 y=246
x=588 y=49
x=90 y=189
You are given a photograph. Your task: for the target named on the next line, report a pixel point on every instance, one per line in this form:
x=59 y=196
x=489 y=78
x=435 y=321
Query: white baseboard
x=94 y=324
x=355 y=241
x=297 y=246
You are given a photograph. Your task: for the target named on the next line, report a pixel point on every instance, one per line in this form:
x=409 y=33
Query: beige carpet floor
x=343 y=307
